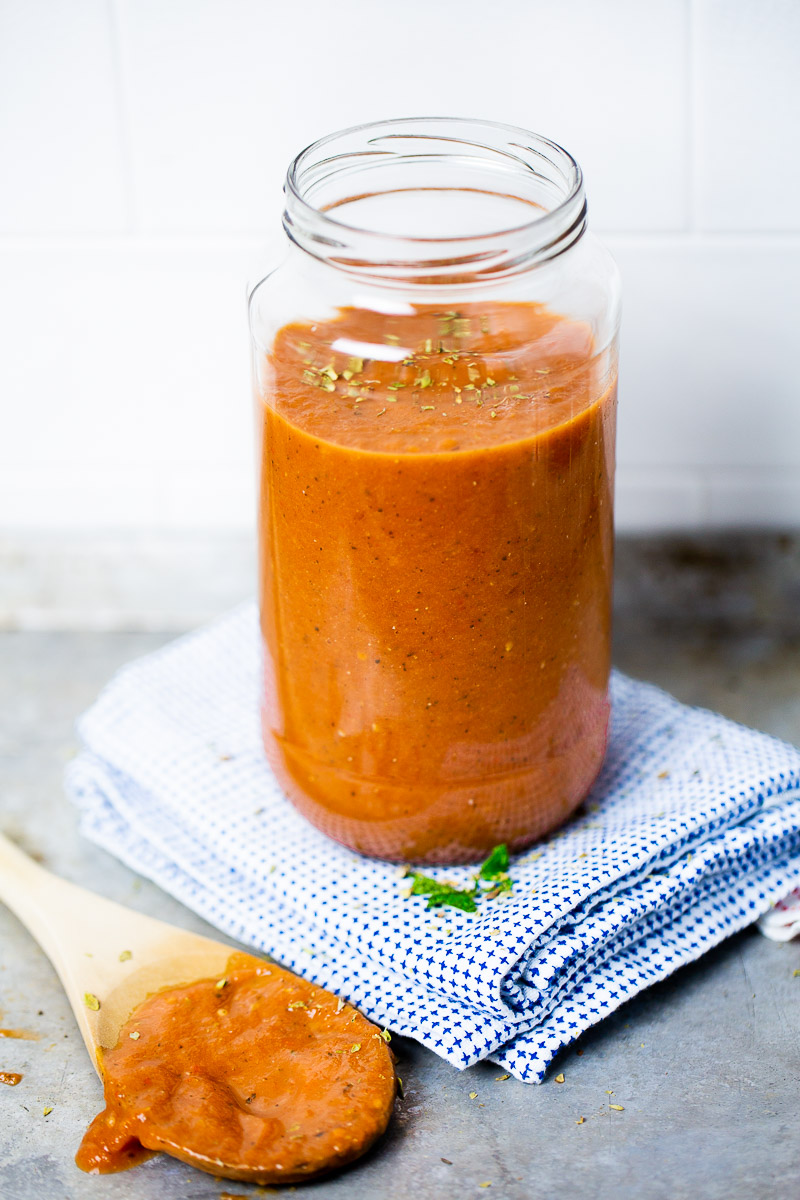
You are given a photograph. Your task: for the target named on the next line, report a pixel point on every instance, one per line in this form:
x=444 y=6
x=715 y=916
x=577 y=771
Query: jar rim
x=524 y=155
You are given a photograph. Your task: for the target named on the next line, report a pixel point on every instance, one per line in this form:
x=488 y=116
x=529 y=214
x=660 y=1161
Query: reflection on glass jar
x=435 y=369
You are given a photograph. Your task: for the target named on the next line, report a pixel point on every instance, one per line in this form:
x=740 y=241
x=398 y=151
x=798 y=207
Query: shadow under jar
x=435 y=368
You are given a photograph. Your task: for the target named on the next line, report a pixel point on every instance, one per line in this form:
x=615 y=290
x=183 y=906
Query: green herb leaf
x=496 y=864
x=442 y=893
x=421 y=885
x=455 y=899
x=492 y=879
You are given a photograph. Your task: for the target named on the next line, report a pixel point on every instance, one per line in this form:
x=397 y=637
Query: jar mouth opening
x=532 y=199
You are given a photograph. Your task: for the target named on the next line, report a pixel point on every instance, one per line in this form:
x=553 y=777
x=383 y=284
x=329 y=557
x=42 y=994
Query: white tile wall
x=126 y=389
x=748 y=114
x=711 y=379
x=61 y=147
x=754 y=499
x=659 y=499
x=223 y=94
x=143 y=145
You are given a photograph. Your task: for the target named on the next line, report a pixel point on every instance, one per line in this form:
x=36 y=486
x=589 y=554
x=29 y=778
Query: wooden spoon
x=101 y=950
x=324 y=1072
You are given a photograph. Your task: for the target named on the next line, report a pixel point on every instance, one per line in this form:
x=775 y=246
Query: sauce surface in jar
x=436 y=558
x=257 y=1076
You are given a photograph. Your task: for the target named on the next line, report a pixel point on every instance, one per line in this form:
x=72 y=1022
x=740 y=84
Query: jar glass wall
x=435 y=369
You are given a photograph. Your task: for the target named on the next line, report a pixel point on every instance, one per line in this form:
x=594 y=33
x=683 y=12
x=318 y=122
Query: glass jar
x=435 y=369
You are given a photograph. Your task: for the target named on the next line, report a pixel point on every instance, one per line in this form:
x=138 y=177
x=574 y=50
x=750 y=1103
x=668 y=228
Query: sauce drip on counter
x=436 y=558
x=258 y=1076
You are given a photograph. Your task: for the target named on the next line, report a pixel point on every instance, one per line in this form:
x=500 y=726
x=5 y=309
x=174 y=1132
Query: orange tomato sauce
x=436 y=558
x=259 y=1076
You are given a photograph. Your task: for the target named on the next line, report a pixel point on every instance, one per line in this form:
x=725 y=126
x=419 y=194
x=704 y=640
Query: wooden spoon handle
x=108 y=957
x=35 y=896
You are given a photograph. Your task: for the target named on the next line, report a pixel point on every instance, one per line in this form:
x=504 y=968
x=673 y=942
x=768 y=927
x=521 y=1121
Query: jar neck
x=434 y=201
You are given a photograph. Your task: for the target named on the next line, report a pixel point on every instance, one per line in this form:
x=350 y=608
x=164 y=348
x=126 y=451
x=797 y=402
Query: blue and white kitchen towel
x=691 y=833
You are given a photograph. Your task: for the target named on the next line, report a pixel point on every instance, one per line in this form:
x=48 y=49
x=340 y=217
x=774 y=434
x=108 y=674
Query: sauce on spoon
x=258 y=1076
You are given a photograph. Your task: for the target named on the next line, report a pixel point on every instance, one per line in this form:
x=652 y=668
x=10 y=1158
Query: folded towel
x=691 y=832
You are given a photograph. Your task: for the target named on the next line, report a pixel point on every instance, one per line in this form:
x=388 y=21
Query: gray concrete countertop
x=706 y=1064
